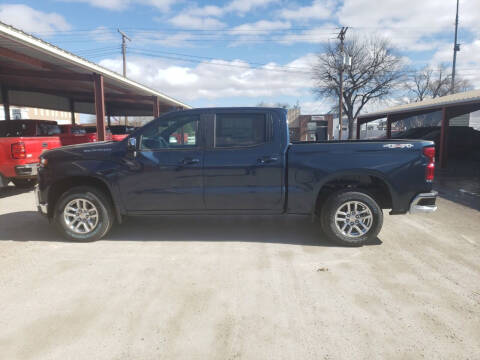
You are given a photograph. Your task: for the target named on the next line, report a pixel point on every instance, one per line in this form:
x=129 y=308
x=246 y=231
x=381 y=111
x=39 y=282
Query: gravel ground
x=239 y=288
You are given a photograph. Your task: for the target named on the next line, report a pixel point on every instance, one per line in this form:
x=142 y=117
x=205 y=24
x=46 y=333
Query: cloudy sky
x=242 y=52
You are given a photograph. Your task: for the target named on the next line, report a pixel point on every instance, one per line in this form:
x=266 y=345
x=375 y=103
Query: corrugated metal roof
x=439 y=102
x=32 y=46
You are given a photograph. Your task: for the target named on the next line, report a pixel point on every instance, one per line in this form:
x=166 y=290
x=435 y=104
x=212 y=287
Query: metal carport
x=450 y=106
x=36 y=73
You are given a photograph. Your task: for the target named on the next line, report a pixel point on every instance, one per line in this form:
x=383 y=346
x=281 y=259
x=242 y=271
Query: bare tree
x=375 y=73
x=430 y=82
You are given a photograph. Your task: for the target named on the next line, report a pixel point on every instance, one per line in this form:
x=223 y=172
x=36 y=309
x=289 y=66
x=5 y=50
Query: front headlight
x=43 y=162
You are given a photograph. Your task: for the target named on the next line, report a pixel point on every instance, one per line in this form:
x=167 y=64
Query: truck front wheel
x=351 y=217
x=83 y=214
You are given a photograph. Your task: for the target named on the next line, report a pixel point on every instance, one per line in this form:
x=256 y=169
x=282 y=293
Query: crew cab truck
x=21 y=144
x=73 y=134
x=234 y=161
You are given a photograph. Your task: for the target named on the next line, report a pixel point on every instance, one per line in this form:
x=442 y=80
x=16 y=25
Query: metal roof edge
x=427 y=104
x=48 y=48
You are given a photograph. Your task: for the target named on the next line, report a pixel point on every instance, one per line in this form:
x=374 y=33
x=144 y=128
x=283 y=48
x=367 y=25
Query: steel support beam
x=99 y=105
x=156 y=107
x=6 y=102
x=389 y=127
x=358 y=129
x=443 y=138
x=72 y=111
x=57 y=75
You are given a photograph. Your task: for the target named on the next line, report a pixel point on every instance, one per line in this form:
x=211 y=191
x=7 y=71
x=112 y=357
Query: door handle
x=267 y=159
x=190 y=161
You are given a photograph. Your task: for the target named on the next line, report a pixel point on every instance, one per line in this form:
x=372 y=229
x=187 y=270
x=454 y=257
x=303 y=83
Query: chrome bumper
x=28 y=170
x=41 y=207
x=424 y=203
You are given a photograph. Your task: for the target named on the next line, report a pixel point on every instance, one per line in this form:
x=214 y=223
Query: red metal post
x=72 y=111
x=156 y=107
x=389 y=127
x=99 y=105
x=443 y=138
x=6 y=102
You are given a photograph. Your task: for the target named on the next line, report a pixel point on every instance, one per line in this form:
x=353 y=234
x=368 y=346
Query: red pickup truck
x=21 y=144
x=74 y=134
x=93 y=136
x=120 y=132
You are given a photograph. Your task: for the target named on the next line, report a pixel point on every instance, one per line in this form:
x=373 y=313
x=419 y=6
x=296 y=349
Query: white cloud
x=315 y=107
x=468 y=60
x=219 y=79
x=185 y=20
x=259 y=27
x=411 y=24
x=319 y=9
x=203 y=17
x=315 y=35
x=31 y=20
x=251 y=32
x=243 y=6
x=103 y=34
x=119 y=5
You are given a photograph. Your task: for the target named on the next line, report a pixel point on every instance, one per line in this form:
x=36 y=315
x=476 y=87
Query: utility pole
x=456 y=47
x=341 y=36
x=124 y=51
x=124 y=55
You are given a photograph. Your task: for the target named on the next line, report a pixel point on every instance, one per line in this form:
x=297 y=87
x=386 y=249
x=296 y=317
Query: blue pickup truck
x=234 y=161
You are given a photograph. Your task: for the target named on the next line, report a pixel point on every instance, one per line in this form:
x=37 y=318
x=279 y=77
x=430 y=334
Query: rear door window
x=238 y=130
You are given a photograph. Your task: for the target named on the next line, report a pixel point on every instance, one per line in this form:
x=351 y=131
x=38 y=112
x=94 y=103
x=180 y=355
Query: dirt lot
x=239 y=288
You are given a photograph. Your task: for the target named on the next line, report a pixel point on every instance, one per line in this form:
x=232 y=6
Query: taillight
x=18 y=151
x=429 y=152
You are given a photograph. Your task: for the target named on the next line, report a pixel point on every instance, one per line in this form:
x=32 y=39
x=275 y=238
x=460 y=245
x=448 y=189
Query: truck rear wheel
x=83 y=214
x=351 y=217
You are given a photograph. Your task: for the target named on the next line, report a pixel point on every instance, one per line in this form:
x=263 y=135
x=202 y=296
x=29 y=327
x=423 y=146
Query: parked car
x=236 y=161
x=21 y=143
x=92 y=134
x=120 y=132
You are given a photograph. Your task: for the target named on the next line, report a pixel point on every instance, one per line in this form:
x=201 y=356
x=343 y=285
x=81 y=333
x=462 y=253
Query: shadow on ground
x=295 y=230
x=460 y=182
x=12 y=190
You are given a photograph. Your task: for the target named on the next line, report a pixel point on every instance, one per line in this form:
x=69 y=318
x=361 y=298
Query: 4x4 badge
x=398 y=146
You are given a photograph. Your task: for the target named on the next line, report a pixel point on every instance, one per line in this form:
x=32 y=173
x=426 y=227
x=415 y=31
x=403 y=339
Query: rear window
x=78 y=131
x=14 y=128
x=45 y=129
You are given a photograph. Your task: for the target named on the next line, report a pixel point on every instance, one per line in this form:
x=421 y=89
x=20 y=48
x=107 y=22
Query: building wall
x=62 y=117
x=307 y=132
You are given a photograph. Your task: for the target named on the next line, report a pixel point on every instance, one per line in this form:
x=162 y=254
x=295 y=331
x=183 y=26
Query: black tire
x=24 y=183
x=339 y=201
x=92 y=196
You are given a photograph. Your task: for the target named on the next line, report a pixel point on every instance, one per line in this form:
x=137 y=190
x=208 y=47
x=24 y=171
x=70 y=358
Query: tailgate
x=35 y=146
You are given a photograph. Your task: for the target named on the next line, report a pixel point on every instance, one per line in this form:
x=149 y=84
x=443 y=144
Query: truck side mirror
x=132 y=144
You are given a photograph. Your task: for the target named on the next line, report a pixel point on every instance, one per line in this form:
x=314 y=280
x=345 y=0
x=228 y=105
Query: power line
x=212 y=58
x=140 y=52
